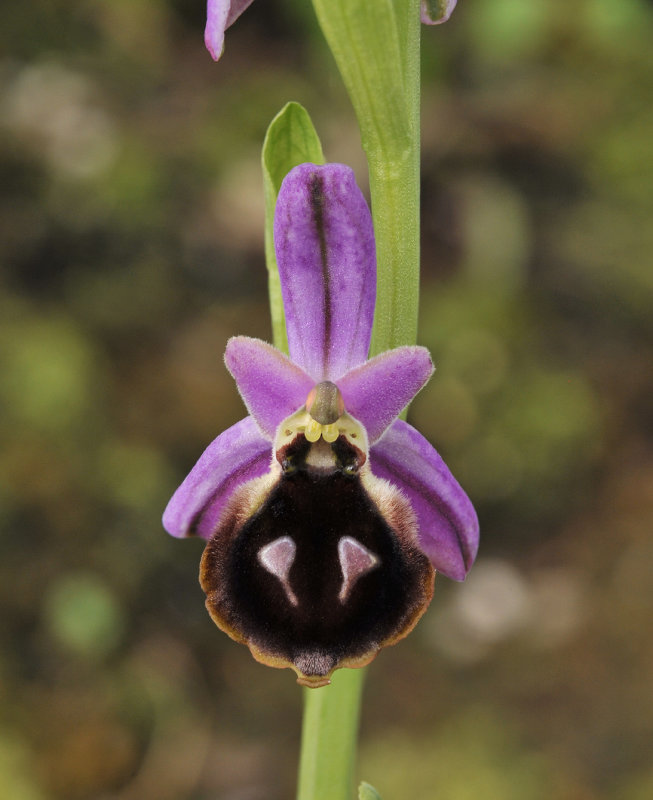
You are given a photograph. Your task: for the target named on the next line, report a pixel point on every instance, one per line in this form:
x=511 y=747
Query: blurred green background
x=132 y=248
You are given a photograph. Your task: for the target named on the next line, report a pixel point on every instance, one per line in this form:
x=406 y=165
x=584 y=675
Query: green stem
x=394 y=187
x=376 y=46
x=329 y=733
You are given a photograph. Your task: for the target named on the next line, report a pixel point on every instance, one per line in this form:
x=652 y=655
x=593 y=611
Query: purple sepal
x=448 y=525
x=220 y=14
x=377 y=391
x=235 y=457
x=435 y=12
x=326 y=256
x=271 y=386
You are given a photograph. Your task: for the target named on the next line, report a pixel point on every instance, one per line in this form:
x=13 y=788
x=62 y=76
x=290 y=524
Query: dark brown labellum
x=321 y=575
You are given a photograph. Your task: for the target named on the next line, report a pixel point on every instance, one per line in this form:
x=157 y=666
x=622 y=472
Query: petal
x=235 y=457
x=434 y=12
x=376 y=392
x=448 y=525
x=327 y=264
x=271 y=386
x=220 y=14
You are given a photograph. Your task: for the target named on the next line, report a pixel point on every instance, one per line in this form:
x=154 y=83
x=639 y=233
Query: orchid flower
x=326 y=516
x=221 y=14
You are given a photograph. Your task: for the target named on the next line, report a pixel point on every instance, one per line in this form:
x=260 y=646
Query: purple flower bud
x=220 y=14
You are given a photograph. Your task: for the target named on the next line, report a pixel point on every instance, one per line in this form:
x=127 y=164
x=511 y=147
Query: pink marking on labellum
x=355 y=561
x=277 y=558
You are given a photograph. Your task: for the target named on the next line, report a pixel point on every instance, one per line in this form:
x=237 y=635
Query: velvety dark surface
x=316 y=509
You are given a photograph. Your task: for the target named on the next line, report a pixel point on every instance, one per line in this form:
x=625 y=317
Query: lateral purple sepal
x=220 y=14
x=235 y=457
x=435 y=12
x=377 y=391
x=271 y=386
x=448 y=525
x=326 y=256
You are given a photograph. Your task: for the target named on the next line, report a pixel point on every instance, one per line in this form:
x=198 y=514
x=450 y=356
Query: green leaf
x=376 y=45
x=367 y=792
x=291 y=139
x=368 y=43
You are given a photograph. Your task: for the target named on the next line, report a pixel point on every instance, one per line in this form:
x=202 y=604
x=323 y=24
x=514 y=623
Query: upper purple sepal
x=326 y=256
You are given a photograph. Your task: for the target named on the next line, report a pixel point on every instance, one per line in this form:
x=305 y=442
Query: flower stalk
x=329 y=733
x=377 y=49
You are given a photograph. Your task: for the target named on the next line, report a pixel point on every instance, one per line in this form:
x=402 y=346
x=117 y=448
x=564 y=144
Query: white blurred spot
x=56 y=109
x=496 y=603
x=238 y=207
x=497 y=232
x=559 y=606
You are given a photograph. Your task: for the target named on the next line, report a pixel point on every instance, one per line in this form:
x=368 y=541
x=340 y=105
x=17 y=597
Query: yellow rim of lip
x=226 y=622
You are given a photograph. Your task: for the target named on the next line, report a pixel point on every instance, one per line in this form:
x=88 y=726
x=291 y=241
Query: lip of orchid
x=323 y=441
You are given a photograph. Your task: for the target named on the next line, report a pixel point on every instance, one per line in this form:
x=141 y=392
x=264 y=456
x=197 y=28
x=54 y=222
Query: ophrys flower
x=326 y=516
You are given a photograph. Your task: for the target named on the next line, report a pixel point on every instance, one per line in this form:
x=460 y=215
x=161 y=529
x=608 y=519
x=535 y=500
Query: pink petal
x=448 y=525
x=271 y=386
x=235 y=457
x=327 y=264
x=220 y=14
x=377 y=391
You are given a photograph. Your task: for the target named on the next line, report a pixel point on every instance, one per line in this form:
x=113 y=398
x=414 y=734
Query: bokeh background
x=132 y=247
